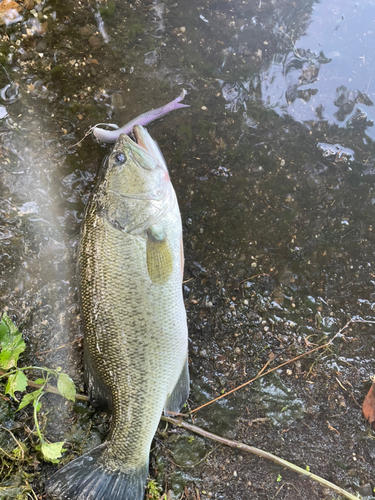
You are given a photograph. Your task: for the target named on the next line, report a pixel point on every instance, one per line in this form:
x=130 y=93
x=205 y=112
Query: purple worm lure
x=144 y=119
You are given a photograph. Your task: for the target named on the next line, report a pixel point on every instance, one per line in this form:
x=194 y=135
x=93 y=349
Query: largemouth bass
x=130 y=269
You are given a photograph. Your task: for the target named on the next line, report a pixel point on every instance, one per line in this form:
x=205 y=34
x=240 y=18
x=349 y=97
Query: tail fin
x=88 y=478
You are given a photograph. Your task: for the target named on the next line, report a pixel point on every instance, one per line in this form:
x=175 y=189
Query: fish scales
x=136 y=329
x=130 y=272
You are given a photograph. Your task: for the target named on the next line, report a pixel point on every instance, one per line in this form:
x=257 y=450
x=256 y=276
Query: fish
x=111 y=136
x=130 y=268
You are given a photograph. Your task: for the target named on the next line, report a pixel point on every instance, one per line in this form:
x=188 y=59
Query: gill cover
x=137 y=191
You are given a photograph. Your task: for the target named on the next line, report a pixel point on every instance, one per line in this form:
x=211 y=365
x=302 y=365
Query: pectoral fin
x=159 y=257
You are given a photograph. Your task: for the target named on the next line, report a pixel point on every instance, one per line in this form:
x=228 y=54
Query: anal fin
x=180 y=393
x=98 y=391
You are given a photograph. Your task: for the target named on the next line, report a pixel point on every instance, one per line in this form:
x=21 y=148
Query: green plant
x=12 y=346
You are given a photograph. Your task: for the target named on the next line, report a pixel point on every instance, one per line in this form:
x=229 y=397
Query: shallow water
x=274 y=169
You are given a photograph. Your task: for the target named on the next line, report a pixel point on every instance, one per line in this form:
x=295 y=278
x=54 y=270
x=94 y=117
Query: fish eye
x=120 y=158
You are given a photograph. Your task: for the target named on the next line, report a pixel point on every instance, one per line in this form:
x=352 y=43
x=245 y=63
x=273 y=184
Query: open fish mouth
x=140 y=137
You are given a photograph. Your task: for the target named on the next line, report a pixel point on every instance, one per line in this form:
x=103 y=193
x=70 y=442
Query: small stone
x=41 y=46
x=204 y=108
x=95 y=42
x=28 y=4
x=183 y=29
x=9 y=11
x=24 y=55
x=86 y=31
x=254 y=264
x=93 y=71
x=289 y=372
x=365 y=490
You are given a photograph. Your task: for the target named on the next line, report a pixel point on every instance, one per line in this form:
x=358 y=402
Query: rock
x=3 y=112
x=41 y=45
x=28 y=4
x=365 y=490
x=86 y=31
x=9 y=12
x=95 y=42
x=25 y=55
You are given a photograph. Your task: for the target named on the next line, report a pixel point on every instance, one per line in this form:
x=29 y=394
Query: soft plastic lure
x=144 y=119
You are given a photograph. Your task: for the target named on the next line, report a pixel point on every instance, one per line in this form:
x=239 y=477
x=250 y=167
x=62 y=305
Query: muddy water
x=274 y=169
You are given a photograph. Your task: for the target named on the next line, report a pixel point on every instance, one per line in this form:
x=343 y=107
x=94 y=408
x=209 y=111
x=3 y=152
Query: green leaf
x=40 y=381
x=29 y=398
x=19 y=451
x=16 y=382
x=66 y=386
x=37 y=405
x=52 y=451
x=11 y=343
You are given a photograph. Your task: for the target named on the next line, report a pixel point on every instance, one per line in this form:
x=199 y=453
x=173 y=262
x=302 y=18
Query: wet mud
x=274 y=169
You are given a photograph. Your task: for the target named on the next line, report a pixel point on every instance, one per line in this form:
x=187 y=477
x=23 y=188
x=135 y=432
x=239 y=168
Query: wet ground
x=274 y=169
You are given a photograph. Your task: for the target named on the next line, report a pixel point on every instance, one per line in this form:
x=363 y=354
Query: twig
x=16 y=440
x=57 y=348
x=232 y=444
x=279 y=366
x=251 y=278
x=259 y=453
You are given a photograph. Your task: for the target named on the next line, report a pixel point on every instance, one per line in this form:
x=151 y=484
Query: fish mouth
x=145 y=142
x=143 y=139
x=140 y=141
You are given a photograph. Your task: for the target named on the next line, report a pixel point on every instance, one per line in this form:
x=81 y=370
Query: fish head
x=137 y=168
x=137 y=182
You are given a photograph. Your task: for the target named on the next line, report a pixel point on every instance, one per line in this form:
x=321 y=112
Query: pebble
x=85 y=31
x=289 y=372
x=95 y=42
x=41 y=46
x=365 y=490
x=28 y=4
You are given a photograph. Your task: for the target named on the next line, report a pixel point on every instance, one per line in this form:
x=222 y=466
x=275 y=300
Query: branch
x=261 y=374
x=259 y=453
